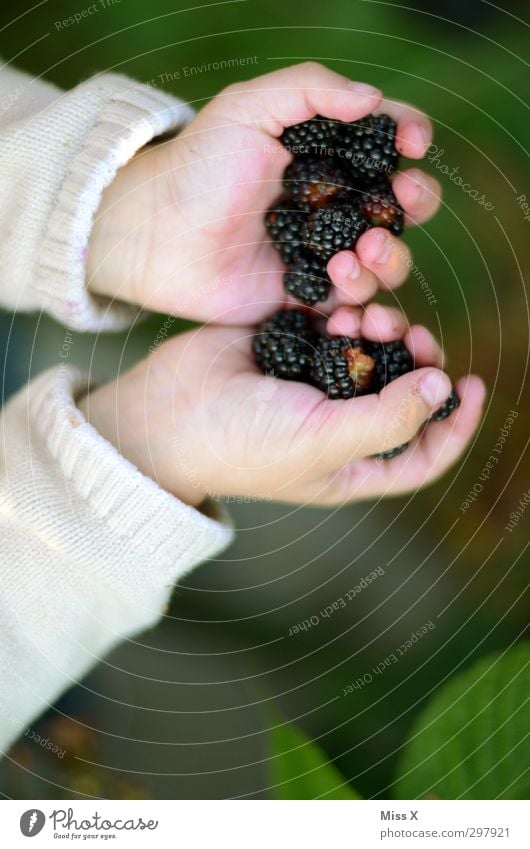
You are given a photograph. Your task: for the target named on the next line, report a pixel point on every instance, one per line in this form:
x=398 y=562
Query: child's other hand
x=199 y=418
x=180 y=229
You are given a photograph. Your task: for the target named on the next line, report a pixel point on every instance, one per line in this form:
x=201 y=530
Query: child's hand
x=197 y=417
x=180 y=229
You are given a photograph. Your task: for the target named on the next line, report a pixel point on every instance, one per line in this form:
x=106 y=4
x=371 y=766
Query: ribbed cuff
x=126 y=116
x=161 y=537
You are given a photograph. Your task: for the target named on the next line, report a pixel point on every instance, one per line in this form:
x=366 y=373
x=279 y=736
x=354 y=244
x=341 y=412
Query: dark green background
x=183 y=711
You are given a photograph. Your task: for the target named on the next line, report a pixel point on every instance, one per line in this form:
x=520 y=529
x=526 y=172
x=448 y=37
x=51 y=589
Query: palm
x=232 y=272
x=249 y=433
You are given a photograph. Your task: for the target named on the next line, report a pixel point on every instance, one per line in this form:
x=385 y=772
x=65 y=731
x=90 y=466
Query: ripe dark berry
x=446 y=409
x=283 y=345
x=391 y=360
x=341 y=367
x=442 y=413
x=284 y=223
x=312 y=182
x=313 y=136
x=392 y=452
x=379 y=207
x=307 y=280
x=368 y=145
x=332 y=229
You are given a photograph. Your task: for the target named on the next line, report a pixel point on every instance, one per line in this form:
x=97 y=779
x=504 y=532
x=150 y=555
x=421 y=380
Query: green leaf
x=299 y=769
x=471 y=741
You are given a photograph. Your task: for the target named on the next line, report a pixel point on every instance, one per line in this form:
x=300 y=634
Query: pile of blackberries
x=287 y=345
x=336 y=188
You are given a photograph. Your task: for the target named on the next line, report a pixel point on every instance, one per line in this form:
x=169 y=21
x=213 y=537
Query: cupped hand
x=180 y=229
x=199 y=418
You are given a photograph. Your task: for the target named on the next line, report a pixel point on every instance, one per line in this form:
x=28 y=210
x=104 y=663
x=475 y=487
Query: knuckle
x=232 y=90
x=402 y=419
x=310 y=67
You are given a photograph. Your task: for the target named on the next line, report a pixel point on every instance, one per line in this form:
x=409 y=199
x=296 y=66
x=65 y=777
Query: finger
x=414 y=129
x=424 y=461
x=291 y=95
x=385 y=256
x=355 y=284
x=345 y=321
x=375 y=322
x=418 y=193
x=337 y=432
x=424 y=348
x=383 y=324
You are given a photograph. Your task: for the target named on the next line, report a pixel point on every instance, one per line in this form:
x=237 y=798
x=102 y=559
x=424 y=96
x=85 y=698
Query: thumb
x=370 y=424
x=285 y=97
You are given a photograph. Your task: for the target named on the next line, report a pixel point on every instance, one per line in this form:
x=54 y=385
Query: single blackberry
x=313 y=136
x=446 y=409
x=307 y=280
x=341 y=367
x=368 y=145
x=442 y=413
x=284 y=223
x=283 y=345
x=392 y=452
x=333 y=229
x=380 y=208
x=391 y=359
x=313 y=182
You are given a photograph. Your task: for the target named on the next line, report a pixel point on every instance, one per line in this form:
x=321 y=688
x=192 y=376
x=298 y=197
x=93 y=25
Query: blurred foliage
x=299 y=769
x=73 y=771
x=471 y=741
x=461 y=63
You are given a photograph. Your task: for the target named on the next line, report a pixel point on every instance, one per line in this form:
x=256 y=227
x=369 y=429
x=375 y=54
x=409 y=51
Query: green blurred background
x=183 y=711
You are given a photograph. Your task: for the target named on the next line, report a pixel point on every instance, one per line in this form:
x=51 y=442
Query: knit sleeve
x=58 y=152
x=90 y=547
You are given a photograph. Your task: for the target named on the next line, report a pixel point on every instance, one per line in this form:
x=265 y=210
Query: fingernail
x=419 y=192
x=418 y=135
x=425 y=137
x=435 y=388
x=381 y=249
x=354 y=270
x=416 y=187
x=364 y=88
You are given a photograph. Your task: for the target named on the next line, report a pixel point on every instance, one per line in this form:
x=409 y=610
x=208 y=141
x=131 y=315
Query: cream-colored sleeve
x=58 y=152
x=90 y=547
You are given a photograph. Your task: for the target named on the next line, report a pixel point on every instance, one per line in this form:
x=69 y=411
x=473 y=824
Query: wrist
x=118 y=243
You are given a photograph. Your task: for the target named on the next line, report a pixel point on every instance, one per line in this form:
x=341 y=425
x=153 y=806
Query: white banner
x=264 y=824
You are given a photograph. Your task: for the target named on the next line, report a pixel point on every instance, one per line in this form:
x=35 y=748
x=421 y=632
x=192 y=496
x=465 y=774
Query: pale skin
x=180 y=230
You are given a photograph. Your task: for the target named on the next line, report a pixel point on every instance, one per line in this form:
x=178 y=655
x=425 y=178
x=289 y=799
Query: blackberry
x=307 y=280
x=341 y=367
x=336 y=228
x=313 y=136
x=283 y=345
x=380 y=208
x=392 y=452
x=284 y=223
x=391 y=360
x=442 y=413
x=446 y=409
x=313 y=182
x=368 y=145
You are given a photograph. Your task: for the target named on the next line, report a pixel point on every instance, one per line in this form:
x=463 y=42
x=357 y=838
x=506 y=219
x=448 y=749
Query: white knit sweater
x=90 y=547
